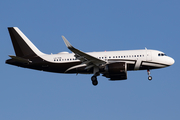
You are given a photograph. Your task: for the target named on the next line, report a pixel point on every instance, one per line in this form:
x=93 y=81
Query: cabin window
x=162 y=54
x=137 y=55
x=109 y=56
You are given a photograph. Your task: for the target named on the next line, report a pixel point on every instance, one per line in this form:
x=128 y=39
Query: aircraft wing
x=85 y=58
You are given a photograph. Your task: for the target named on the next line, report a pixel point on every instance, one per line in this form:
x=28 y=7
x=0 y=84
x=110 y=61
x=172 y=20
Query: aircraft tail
x=23 y=47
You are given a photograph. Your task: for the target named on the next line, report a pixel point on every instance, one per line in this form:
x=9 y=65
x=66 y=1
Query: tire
x=149 y=78
x=95 y=82
x=94 y=78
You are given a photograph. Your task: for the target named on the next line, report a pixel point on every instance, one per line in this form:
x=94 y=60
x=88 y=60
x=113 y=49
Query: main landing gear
x=149 y=77
x=94 y=77
x=94 y=80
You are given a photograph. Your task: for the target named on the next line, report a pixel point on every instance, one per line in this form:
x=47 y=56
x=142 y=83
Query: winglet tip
x=66 y=42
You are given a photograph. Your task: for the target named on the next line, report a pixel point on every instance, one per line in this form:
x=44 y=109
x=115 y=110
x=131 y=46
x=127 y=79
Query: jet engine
x=116 y=71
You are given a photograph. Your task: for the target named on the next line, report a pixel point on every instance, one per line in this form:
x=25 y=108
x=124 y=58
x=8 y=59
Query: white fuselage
x=145 y=57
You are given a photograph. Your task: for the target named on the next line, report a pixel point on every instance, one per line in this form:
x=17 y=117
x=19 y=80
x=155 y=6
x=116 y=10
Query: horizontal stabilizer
x=19 y=59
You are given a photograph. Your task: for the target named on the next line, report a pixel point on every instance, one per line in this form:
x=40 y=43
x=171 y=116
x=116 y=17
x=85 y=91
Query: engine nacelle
x=116 y=71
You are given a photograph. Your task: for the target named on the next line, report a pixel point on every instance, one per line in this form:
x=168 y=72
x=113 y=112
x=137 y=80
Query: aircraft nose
x=170 y=61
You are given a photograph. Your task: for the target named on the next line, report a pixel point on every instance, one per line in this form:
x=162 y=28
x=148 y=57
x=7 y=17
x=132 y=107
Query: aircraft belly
x=37 y=64
x=45 y=66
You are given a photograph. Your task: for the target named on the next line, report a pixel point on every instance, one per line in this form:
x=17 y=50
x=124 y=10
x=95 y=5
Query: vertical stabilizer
x=23 y=47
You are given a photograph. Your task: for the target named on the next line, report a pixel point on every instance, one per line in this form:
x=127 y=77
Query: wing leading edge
x=85 y=58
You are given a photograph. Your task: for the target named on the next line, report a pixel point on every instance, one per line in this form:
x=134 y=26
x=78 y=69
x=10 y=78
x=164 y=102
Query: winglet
x=66 y=42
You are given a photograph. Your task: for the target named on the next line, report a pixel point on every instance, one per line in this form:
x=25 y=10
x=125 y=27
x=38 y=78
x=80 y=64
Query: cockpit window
x=162 y=54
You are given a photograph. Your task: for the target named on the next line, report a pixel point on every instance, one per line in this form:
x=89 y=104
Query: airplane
x=111 y=64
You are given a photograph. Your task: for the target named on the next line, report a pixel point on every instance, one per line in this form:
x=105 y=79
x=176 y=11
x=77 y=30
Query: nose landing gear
x=149 y=77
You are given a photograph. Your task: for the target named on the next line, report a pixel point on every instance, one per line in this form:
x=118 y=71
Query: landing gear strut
x=94 y=77
x=149 y=77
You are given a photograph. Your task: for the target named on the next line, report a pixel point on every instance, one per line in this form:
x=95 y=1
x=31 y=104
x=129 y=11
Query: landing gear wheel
x=94 y=80
x=149 y=78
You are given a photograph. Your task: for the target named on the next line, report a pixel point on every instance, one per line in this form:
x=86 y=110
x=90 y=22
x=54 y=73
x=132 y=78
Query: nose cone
x=170 y=61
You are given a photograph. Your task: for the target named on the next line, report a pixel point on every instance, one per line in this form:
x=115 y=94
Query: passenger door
x=148 y=55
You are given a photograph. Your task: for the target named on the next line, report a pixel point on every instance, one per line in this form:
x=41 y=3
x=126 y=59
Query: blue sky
x=93 y=25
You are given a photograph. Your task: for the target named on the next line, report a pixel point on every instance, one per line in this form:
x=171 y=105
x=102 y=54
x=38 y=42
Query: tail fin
x=22 y=45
